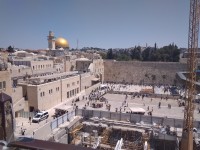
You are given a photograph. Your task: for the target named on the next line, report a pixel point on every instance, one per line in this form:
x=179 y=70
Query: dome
x=62 y=43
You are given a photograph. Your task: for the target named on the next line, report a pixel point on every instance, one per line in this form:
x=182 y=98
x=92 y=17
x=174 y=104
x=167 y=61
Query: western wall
x=138 y=72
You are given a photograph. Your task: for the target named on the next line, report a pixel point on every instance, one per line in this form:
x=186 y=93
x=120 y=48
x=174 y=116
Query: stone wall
x=18 y=99
x=142 y=72
x=17 y=94
x=93 y=87
x=70 y=65
x=5 y=82
x=98 y=68
x=86 y=80
x=19 y=71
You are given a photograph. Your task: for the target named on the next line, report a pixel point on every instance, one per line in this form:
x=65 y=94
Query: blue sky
x=95 y=23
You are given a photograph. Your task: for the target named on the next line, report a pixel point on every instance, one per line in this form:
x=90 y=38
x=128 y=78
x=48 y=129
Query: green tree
x=10 y=49
x=136 y=53
x=168 y=53
x=103 y=55
x=155 y=46
x=146 y=54
x=110 y=54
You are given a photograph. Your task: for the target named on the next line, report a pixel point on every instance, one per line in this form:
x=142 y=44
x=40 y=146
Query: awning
x=64 y=107
x=95 y=79
x=137 y=109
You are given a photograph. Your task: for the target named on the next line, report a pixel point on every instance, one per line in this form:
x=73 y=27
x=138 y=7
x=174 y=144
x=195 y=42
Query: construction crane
x=187 y=134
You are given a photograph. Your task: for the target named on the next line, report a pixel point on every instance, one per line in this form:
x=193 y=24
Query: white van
x=40 y=116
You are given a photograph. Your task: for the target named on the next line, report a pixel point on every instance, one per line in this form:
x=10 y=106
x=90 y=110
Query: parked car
x=40 y=116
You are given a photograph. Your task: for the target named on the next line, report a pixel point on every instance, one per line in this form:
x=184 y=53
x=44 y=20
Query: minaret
x=51 y=41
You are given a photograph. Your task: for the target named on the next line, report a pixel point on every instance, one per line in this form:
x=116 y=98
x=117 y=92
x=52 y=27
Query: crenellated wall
x=138 y=72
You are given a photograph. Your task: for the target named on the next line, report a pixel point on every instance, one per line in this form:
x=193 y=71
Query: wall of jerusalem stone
x=137 y=72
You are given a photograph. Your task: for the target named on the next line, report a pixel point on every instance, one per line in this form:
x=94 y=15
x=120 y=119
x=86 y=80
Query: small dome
x=61 y=43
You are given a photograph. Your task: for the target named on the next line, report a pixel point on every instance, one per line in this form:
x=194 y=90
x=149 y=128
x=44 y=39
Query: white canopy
x=64 y=107
x=103 y=85
x=137 y=109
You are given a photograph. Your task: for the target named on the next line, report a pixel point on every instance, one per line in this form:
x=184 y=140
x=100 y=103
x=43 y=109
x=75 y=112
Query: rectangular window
x=0 y=85
x=4 y=84
x=67 y=94
x=57 y=89
x=77 y=90
x=41 y=94
x=68 y=85
x=73 y=83
x=77 y=82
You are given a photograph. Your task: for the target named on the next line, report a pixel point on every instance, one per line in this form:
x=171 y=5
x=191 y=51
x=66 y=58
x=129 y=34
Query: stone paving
x=115 y=100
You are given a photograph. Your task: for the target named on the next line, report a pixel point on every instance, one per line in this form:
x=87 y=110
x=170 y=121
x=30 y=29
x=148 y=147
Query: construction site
x=120 y=115
x=97 y=131
x=121 y=135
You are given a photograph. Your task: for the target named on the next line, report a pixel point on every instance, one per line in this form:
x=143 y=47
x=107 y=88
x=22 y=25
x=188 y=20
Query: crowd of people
x=96 y=100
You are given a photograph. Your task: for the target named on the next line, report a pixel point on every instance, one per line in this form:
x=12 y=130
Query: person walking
x=159 y=104
x=29 y=120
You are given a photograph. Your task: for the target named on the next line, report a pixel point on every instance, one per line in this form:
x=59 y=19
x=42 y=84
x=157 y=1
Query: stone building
x=82 y=64
x=35 y=64
x=45 y=92
x=94 y=66
x=6 y=86
x=98 y=68
x=5 y=82
x=87 y=79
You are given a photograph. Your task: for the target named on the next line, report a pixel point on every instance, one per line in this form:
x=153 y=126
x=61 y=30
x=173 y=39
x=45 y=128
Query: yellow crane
x=74 y=131
x=187 y=134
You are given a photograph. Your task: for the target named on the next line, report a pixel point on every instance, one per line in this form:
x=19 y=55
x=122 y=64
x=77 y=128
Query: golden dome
x=62 y=43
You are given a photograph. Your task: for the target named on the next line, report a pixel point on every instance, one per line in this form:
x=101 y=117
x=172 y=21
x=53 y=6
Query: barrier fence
x=25 y=114
x=133 y=118
x=62 y=119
